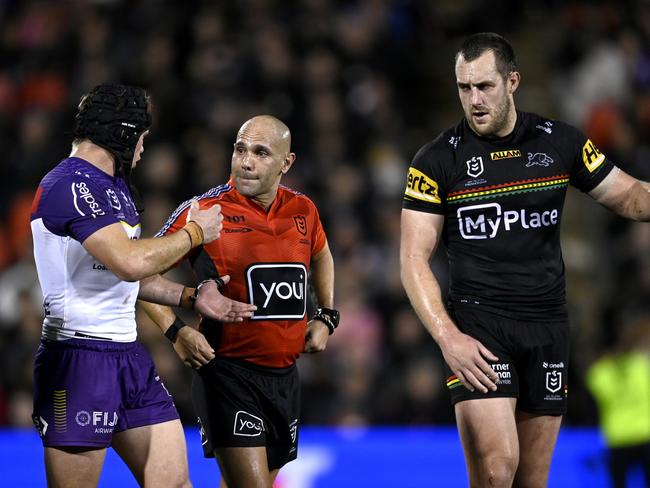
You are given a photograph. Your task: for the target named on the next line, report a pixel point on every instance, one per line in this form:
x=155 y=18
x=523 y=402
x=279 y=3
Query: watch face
x=331 y=314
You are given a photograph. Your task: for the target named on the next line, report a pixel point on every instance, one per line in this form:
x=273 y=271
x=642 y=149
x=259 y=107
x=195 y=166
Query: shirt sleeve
x=425 y=182
x=588 y=165
x=76 y=207
x=318 y=237
x=176 y=220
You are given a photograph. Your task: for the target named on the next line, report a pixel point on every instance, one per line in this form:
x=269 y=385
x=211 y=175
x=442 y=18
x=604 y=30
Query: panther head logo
x=538 y=159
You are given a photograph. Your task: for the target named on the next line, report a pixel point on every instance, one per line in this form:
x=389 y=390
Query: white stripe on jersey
x=79 y=293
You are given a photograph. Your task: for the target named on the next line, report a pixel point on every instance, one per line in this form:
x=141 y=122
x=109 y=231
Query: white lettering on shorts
x=247 y=424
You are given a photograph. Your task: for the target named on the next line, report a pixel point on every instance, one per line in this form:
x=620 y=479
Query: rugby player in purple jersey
x=95 y=386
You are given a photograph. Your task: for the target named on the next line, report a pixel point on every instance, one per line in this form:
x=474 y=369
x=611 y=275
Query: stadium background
x=362 y=84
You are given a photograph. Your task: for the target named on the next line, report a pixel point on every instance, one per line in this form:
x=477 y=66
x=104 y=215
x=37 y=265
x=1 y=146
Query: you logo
x=278 y=289
x=248 y=425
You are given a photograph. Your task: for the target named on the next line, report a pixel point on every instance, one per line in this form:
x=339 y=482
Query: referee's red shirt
x=267 y=255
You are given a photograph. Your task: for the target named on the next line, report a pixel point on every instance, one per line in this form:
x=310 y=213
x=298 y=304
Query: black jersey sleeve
x=426 y=180
x=588 y=166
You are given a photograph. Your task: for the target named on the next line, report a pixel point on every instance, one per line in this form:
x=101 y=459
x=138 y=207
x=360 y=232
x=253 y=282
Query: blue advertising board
x=378 y=457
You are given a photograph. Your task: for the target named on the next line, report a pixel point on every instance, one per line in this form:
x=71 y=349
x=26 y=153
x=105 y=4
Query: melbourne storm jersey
x=502 y=200
x=82 y=298
x=267 y=255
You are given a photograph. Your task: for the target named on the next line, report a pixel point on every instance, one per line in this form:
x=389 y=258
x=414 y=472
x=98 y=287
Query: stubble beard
x=499 y=121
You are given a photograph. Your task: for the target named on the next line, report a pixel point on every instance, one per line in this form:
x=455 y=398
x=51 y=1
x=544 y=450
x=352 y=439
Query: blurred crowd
x=362 y=84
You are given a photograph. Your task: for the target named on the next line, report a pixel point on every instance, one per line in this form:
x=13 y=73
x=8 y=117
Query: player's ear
x=287 y=163
x=513 y=81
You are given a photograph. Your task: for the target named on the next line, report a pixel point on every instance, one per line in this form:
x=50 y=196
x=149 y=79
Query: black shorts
x=532 y=365
x=240 y=404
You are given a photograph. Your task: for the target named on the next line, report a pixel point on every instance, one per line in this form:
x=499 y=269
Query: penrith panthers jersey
x=502 y=200
x=82 y=298
x=267 y=255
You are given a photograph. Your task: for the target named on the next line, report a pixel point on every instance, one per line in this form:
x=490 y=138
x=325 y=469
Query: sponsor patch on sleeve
x=420 y=187
x=591 y=156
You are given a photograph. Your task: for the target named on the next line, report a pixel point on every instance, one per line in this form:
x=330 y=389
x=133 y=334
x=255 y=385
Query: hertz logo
x=510 y=153
x=420 y=187
x=591 y=156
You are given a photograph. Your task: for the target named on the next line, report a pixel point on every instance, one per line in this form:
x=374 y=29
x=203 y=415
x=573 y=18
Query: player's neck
x=510 y=124
x=264 y=201
x=95 y=155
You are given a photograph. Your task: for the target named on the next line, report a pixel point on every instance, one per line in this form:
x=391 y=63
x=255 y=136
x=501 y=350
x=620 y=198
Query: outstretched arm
x=322 y=279
x=209 y=301
x=625 y=195
x=465 y=355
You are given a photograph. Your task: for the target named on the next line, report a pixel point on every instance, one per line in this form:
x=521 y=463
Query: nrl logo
x=301 y=224
x=553 y=381
x=475 y=166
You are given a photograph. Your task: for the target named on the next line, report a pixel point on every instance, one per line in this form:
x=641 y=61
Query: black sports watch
x=172 y=330
x=329 y=317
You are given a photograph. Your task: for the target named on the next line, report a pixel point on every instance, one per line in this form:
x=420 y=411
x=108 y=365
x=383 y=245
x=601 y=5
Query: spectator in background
x=377 y=60
x=620 y=383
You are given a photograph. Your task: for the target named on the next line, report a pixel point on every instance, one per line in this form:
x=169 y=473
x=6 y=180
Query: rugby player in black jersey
x=493 y=189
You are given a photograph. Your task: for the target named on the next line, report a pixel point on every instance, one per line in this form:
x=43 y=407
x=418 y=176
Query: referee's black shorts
x=241 y=404
x=533 y=360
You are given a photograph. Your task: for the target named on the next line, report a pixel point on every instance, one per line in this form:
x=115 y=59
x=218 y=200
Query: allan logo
x=507 y=154
x=301 y=224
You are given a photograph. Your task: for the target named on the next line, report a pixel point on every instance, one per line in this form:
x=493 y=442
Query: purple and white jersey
x=82 y=298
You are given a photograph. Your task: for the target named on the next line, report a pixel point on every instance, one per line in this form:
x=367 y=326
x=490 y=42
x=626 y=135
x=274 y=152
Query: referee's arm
x=322 y=280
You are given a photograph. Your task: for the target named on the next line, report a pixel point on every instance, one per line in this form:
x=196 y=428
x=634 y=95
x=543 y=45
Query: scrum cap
x=114 y=116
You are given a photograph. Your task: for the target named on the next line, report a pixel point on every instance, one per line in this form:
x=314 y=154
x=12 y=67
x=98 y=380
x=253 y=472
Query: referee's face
x=485 y=96
x=259 y=159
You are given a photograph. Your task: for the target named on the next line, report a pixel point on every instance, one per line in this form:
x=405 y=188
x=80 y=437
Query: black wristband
x=172 y=330
x=195 y=295
x=329 y=317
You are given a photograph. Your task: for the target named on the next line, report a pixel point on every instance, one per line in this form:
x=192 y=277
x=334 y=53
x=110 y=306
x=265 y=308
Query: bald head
x=271 y=128
x=262 y=154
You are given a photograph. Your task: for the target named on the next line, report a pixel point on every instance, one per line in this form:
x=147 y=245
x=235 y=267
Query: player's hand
x=193 y=348
x=212 y=304
x=316 y=336
x=210 y=220
x=467 y=359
